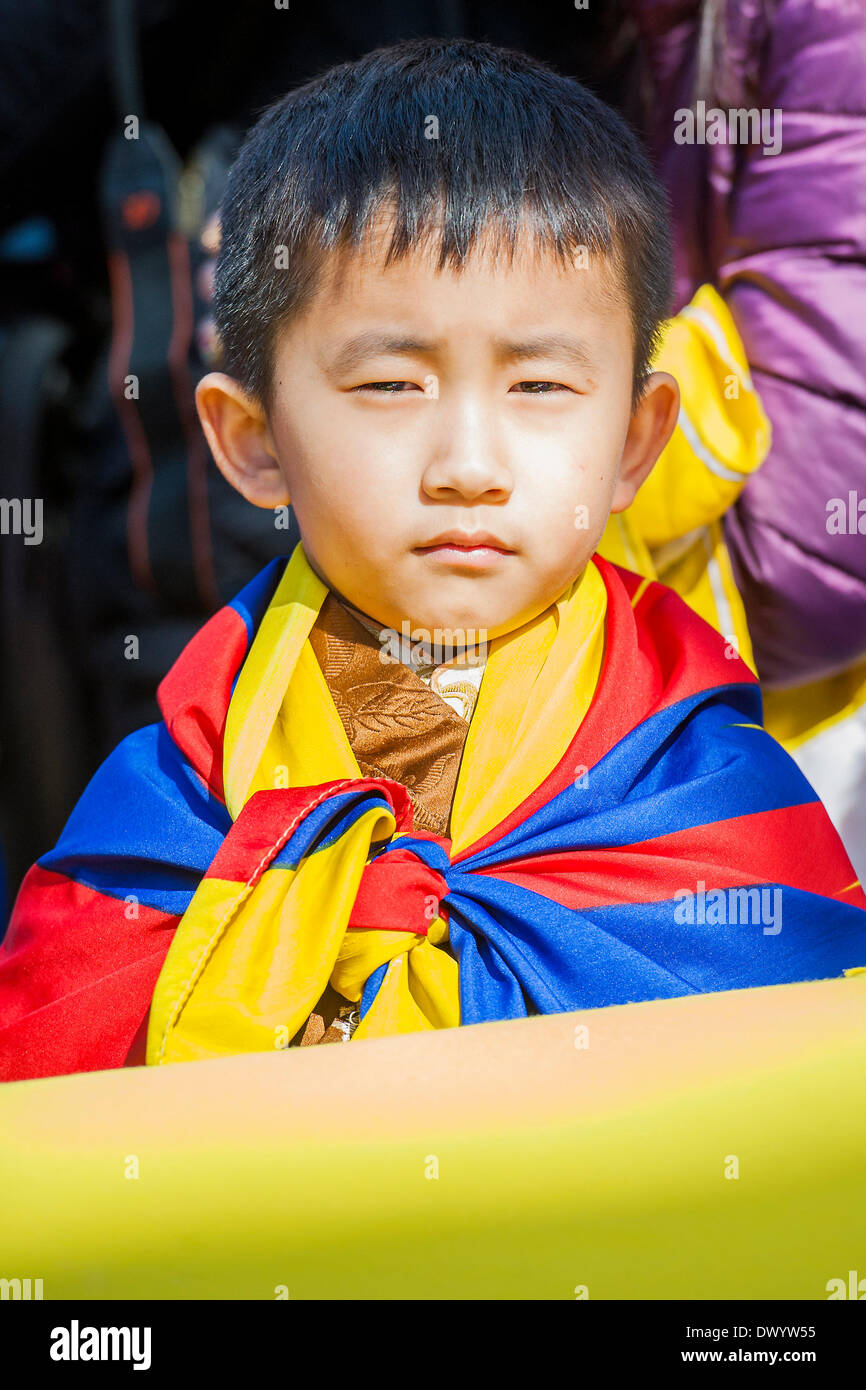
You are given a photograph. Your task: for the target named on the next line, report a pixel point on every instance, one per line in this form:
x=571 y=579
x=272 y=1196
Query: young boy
x=443 y=766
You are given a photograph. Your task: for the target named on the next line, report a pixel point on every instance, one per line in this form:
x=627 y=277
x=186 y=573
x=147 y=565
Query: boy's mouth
x=477 y=549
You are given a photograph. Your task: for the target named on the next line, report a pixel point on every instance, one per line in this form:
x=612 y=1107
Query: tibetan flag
x=194 y=909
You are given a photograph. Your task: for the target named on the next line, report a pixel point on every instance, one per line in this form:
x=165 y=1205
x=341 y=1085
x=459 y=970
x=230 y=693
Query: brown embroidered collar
x=397 y=727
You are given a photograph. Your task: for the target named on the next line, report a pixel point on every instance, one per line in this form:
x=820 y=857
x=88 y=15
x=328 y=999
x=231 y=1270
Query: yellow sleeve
x=672 y=531
x=722 y=435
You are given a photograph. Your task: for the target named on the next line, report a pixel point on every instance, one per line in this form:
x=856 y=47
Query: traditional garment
x=228 y=864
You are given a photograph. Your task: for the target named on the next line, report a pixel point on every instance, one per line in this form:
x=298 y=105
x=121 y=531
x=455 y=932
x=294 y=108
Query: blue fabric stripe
x=796 y=936
x=324 y=825
x=371 y=988
x=146 y=824
x=253 y=599
x=565 y=960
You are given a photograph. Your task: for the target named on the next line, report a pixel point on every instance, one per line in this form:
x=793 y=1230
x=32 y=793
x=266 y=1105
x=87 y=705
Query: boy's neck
x=419 y=654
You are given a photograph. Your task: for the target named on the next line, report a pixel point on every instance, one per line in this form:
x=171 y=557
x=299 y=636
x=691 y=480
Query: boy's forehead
x=528 y=279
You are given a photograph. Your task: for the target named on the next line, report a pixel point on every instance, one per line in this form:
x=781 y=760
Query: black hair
x=518 y=145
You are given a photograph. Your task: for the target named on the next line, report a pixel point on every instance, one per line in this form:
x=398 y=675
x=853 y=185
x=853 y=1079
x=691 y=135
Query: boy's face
x=452 y=441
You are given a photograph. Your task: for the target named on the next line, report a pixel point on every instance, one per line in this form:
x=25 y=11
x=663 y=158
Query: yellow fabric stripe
x=265 y=675
x=537 y=687
x=307 y=743
x=248 y=983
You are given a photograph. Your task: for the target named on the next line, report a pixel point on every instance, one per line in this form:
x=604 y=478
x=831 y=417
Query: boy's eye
x=538 y=388
x=396 y=388
x=388 y=388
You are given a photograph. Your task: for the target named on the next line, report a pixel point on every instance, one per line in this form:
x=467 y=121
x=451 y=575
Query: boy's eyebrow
x=374 y=343
x=547 y=345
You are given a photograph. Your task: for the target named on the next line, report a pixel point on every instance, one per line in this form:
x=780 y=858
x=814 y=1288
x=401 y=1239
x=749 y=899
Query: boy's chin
x=471 y=627
x=449 y=612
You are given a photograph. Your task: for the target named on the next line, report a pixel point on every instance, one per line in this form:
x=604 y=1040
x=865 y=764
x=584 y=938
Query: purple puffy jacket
x=783 y=239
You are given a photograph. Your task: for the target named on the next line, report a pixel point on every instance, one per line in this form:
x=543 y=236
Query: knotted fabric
x=600 y=784
x=321 y=880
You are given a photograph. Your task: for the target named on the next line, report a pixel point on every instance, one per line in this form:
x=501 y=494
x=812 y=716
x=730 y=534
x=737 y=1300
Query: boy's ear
x=237 y=432
x=652 y=423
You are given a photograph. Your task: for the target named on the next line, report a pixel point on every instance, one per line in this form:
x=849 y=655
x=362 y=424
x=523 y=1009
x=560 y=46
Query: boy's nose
x=468 y=461
x=467 y=478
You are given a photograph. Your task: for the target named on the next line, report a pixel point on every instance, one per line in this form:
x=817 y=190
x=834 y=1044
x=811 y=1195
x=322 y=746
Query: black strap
x=168 y=528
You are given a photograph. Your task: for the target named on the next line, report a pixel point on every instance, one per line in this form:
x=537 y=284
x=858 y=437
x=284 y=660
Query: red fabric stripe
x=398 y=892
x=93 y=1029
x=76 y=977
x=767 y=847
x=194 y=705
x=270 y=817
